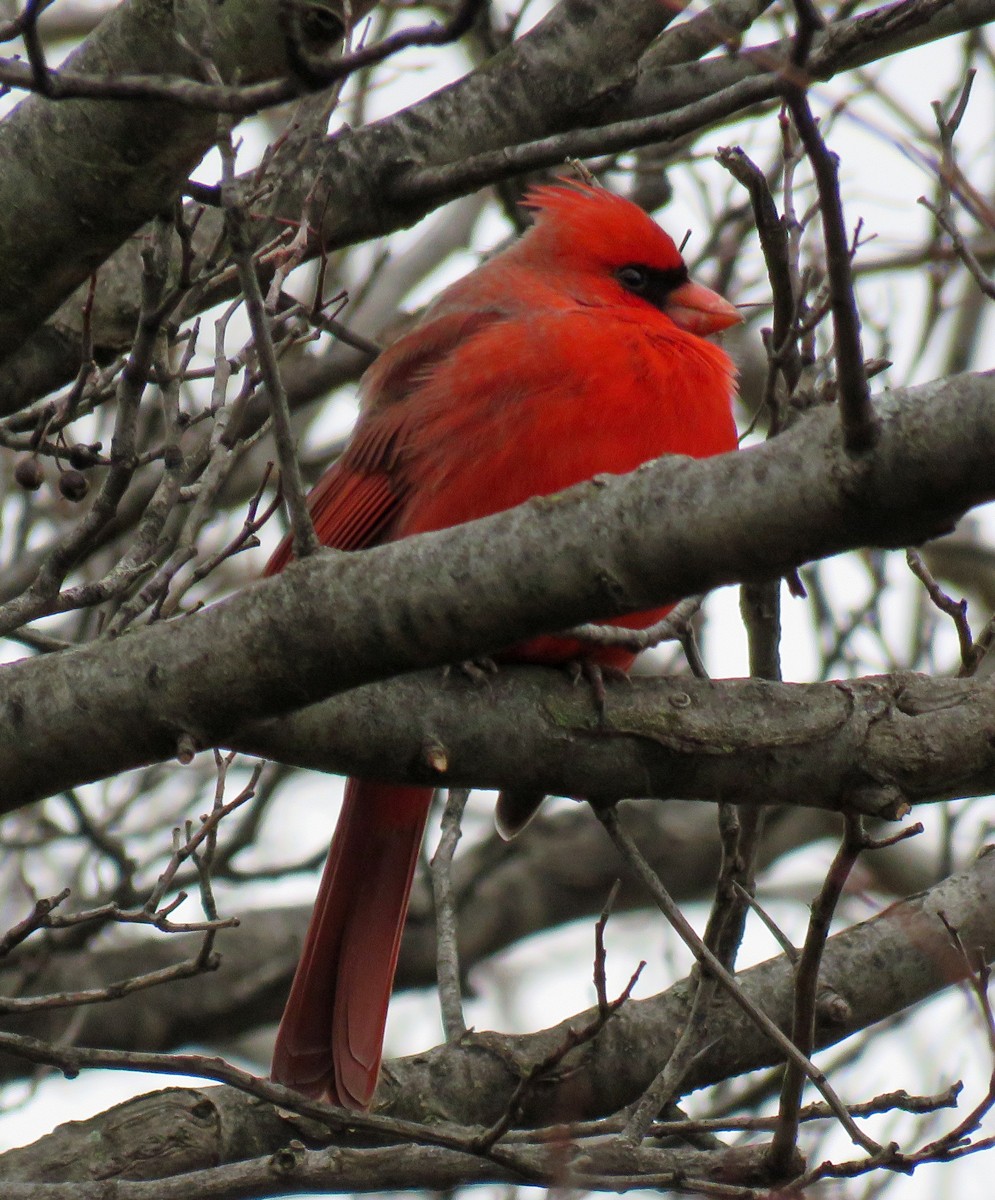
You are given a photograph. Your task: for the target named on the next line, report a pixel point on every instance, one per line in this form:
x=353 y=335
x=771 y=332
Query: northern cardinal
x=577 y=350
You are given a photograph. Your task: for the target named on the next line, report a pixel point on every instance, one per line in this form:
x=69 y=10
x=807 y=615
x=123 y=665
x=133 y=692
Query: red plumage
x=574 y=352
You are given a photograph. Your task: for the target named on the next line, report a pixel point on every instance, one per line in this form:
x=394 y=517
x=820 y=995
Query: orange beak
x=700 y=310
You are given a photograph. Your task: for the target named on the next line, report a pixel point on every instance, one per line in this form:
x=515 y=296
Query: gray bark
x=592 y=65
x=80 y=176
x=621 y=544
x=872 y=970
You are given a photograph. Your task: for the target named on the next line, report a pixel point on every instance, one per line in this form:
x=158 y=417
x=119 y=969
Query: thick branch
x=845 y=44
x=867 y=746
x=674 y=528
x=582 y=49
x=506 y=891
x=80 y=176
x=587 y=79
x=877 y=968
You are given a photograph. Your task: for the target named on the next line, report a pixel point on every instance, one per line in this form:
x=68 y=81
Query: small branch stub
x=435 y=756
x=186 y=749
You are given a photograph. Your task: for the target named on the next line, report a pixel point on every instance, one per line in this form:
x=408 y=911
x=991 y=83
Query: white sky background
x=549 y=977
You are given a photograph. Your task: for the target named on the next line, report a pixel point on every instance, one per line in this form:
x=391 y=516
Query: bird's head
x=611 y=249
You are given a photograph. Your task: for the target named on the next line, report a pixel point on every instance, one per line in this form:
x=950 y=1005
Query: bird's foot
x=596 y=676
x=478 y=669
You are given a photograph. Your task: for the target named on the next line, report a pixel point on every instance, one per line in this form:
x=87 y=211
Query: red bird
x=577 y=350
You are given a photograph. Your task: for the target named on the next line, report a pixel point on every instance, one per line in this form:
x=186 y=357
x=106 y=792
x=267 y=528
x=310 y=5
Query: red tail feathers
x=329 y=1041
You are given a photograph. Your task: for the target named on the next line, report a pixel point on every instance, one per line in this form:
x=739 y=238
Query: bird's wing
x=356 y=502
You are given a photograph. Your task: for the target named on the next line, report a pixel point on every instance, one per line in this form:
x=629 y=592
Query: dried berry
x=82 y=455
x=28 y=473
x=73 y=485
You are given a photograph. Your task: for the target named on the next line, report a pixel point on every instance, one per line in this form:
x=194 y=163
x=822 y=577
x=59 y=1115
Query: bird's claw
x=596 y=675
x=478 y=669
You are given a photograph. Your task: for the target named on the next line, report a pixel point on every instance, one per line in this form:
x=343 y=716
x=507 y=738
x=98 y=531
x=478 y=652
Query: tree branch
x=586 y=46
x=137 y=153
x=336 y=621
x=357 y=179
x=878 y=968
x=505 y=891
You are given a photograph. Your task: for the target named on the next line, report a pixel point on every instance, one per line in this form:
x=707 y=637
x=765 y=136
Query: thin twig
x=446 y=933
x=36 y=919
x=115 y=991
x=960 y=247
x=305 y=539
x=949 y=175
x=857 y=415
x=776 y=932
x=685 y=931
x=955 y=609
x=324 y=72
x=600 y=952
x=774 y=244
x=572 y=1038
x=783 y=1146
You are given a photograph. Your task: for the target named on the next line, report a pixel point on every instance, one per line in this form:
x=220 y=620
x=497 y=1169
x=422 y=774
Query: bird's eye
x=633 y=278
x=653 y=285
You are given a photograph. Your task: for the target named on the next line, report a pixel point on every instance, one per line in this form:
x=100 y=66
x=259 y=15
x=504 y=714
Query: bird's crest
x=575 y=219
